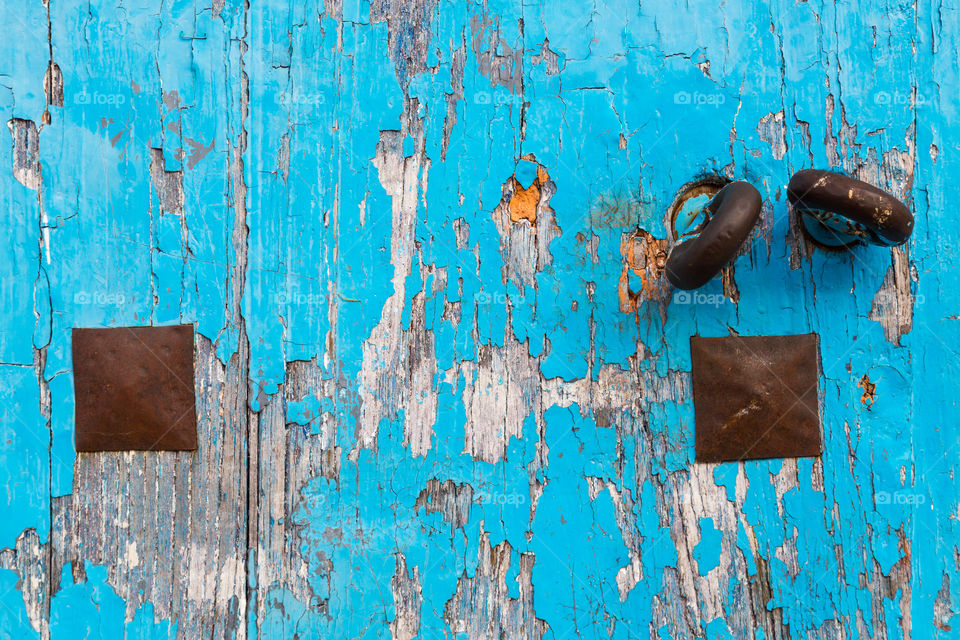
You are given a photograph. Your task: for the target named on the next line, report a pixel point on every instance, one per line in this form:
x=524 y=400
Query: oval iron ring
x=733 y=213
x=838 y=210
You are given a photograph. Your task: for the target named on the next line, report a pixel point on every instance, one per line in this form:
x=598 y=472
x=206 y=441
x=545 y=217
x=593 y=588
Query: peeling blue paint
x=91 y=609
x=322 y=187
x=707 y=551
x=14 y=622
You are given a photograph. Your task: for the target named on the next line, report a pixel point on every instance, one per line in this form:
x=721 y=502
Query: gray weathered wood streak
x=170 y=526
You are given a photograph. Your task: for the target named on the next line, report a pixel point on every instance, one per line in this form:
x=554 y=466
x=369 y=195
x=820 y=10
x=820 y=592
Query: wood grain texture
x=433 y=403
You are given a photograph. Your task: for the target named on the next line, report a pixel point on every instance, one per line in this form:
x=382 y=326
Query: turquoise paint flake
x=14 y=623
x=525 y=173
x=717 y=629
x=24 y=463
x=91 y=610
x=575 y=540
x=725 y=475
x=707 y=551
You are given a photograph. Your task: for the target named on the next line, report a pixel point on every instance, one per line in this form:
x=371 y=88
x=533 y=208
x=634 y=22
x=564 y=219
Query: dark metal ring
x=733 y=213
x=837 y=210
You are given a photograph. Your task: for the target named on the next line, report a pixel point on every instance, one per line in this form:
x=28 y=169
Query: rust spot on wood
x=646 y=256
x=869 y=391
x=523 y=203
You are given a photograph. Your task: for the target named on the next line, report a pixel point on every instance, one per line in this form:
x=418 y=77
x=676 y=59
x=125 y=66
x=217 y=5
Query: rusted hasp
x=733 y=213
x=837 y=210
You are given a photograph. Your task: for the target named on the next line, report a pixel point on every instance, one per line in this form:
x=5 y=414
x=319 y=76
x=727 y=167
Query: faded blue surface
x=271 y=116
x=92 y=610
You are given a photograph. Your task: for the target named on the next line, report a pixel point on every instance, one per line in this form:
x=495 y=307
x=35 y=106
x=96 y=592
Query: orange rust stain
x=869 y=391
x=523 y=203
x=646 y=256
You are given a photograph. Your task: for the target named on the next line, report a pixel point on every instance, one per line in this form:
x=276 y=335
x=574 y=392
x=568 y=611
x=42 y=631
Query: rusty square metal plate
x=134 y=389
x=756 y=397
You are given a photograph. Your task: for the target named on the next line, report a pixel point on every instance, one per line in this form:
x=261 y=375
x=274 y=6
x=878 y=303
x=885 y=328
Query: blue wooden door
x=442 y=388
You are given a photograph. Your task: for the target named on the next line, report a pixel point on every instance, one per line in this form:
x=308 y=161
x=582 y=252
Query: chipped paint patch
x=26 y=152
x=869 y=391
x=646 y=257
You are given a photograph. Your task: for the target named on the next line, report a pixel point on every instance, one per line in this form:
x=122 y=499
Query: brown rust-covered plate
x=134 y=389
x=756 y=397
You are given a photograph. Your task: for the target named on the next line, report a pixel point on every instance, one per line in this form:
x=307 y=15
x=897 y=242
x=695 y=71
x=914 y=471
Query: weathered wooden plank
x=170 y=527
x=439 y=398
